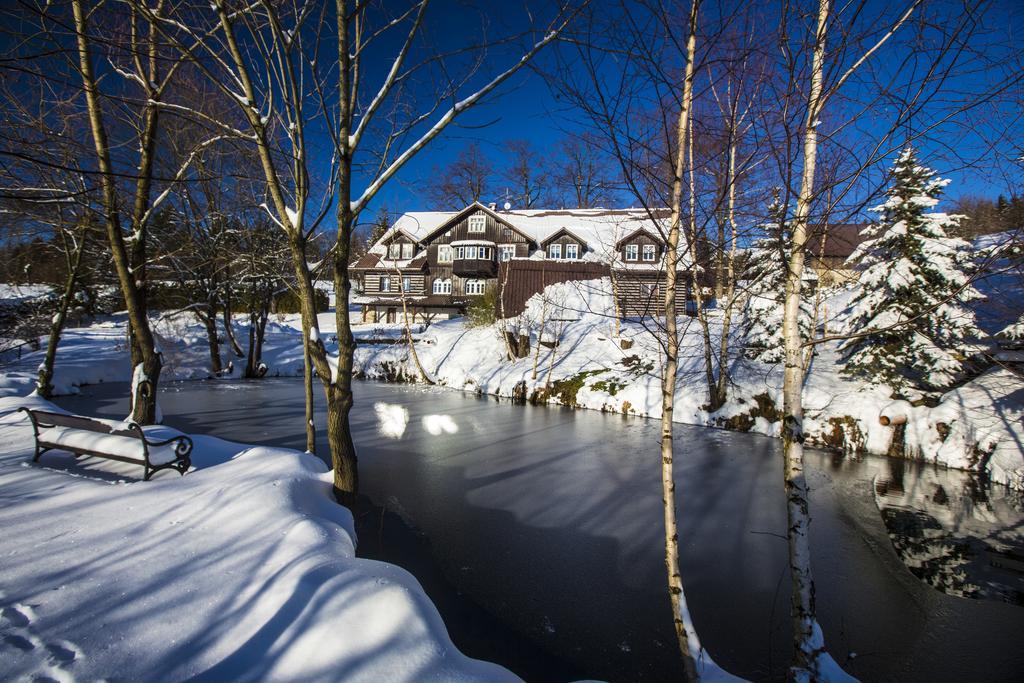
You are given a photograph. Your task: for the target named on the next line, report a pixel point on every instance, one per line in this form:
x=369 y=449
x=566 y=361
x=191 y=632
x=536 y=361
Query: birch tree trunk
x=689 y=644
x=808 y=642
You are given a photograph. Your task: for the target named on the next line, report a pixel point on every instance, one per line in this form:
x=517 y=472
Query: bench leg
x=39 y=452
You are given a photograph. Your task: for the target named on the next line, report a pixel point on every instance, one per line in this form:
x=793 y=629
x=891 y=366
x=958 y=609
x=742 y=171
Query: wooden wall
x=521 y=279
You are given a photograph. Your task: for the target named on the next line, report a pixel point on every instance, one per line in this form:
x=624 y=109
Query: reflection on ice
x=436 y=425
x=392 y=419
x=953 y=532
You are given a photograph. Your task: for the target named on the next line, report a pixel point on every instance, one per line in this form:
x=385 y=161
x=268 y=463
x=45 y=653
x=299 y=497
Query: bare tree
x=464 y=181
x=526 y=175
x=582 y=173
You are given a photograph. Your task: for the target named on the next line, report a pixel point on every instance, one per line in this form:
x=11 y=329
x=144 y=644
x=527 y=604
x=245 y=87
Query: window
x=473 y=253
x=477 y=223
x=475 y=286
x=506 y=252
x=406 y=284
x=554 y=251
x=631 y=252
x=395 y=250
x=649 y=252
x=444 y=254
x=572 y=251
x=648 y=290
x=442 y=286
x=385 y=283
x=407 y=250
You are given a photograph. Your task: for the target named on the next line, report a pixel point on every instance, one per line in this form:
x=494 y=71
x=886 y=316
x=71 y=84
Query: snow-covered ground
x=242 y=569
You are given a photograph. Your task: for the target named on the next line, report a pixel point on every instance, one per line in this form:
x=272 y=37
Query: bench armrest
x=182 y=447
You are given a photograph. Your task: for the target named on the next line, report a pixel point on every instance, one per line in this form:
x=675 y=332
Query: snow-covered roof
x=599 y=228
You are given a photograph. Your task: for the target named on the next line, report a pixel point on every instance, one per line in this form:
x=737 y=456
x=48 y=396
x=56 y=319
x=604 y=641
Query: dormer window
x=477 y=223
x=407 y=250
x=555 y=251
x=632 y=252
x=572 y=251
x=649 y=252
x=394 y=250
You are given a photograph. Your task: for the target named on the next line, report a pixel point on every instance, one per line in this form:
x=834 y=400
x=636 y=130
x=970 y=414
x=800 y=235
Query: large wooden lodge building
x=438 y=262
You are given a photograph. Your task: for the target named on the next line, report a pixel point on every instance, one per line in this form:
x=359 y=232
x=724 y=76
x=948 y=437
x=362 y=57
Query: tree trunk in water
x=807 y=641
x=261 y=333
x=689 y=644
x=147 y=363
x=307 y=387
x=251 y=359
x=209 y=320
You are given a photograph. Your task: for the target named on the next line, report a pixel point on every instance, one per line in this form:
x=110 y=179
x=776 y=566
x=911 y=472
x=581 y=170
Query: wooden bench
x=124 y=441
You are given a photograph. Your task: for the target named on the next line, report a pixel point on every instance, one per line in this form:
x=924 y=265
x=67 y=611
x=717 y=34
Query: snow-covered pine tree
x=1014 y=331
x=766 y=273
x=914 y=283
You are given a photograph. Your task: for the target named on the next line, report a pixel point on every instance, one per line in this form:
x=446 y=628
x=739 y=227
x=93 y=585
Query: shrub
x=484 y=309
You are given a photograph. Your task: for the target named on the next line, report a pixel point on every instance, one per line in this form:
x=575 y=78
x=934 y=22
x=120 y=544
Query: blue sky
x=526 y=108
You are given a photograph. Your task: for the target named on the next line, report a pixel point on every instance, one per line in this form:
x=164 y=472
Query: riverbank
x=579 y=360
x=979 y=426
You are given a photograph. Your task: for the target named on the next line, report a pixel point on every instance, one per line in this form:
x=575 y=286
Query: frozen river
x=538 y=533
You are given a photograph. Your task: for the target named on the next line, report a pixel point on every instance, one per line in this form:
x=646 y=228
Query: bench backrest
x=48 y=419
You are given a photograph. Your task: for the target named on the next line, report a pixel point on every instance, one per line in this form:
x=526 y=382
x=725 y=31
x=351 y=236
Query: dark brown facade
x=476 y=249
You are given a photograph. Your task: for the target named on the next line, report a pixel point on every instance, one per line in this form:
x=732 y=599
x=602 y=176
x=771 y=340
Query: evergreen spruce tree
x=914 y=281
x=766 y=293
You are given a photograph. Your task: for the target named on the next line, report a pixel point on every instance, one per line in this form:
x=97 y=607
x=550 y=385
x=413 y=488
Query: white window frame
x=444 y=253
x=506 y=252
x=406 y=283
x=407 y=250
x=475 y=287
x=632 y=252
x=394 y=250
x=477 y=223
x=649 y=290
x=442 y=286
x=572 y=251
x=554 y=251
x=385 y=283
x=651 y=250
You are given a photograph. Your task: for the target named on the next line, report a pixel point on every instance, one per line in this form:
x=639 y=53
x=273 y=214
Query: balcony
x=474 y=258
x=481 y=268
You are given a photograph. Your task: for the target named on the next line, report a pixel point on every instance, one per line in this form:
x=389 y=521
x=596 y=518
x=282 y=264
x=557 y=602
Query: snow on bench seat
x=155 y=447
x=128 y=446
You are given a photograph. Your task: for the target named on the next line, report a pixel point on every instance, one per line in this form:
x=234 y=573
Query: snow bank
x=242 y=569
